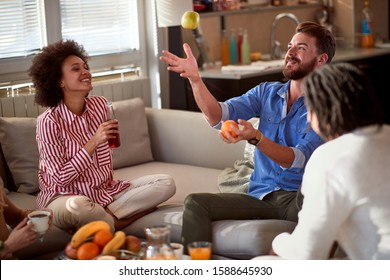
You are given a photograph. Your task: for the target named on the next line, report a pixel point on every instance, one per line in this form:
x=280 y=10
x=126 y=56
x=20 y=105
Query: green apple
x=190 y=20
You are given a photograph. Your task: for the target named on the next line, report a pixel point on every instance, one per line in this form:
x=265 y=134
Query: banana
x=86 y=231
x=115 y=243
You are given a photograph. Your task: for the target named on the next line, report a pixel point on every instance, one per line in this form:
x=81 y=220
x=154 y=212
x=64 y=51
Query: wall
x=346 y=18
x=258 y=25
x=348 y=15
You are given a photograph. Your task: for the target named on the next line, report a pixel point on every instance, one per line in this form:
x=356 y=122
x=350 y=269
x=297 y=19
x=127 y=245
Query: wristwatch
x=258 y=138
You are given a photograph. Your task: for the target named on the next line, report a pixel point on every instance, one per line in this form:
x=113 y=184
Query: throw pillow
x=17 y=138
x=134 y=134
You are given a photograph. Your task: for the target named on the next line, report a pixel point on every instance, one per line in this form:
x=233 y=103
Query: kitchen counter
x=243 y=72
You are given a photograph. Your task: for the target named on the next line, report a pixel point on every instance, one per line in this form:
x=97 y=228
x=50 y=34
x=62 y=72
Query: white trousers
x=73 y=211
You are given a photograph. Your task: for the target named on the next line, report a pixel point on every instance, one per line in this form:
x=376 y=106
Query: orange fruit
x=226 y=127
x=88 y=251
x=102 y=237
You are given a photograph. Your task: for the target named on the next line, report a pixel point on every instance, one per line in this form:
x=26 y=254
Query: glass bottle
x=225 y=52
x=158 y=243
x=367 y=36
x=240 y=37
x=245 y=49
x=112 y=142
x=233 y=47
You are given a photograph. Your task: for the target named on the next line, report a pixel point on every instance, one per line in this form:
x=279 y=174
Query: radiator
x=23 y=105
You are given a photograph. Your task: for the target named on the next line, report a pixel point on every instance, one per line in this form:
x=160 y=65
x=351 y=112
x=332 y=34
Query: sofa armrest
x=185 y=137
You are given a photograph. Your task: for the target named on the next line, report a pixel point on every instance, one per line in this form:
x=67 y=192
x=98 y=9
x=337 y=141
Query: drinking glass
x=113 y=142
x=200 y=250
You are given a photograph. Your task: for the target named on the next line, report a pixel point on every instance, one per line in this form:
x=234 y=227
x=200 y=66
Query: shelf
x=259 y=9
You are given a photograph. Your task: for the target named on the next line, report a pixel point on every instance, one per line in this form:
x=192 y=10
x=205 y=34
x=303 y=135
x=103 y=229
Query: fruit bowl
x=95 y=240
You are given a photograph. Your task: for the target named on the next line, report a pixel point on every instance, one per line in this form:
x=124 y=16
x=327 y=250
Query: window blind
x=101 y=26
x=22 y=27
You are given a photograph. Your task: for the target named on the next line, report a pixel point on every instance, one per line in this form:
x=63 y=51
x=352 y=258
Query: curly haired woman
x=75 y=164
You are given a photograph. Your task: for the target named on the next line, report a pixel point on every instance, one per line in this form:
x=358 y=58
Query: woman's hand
x=21 y=236
x=51 y=215
x=103 y=133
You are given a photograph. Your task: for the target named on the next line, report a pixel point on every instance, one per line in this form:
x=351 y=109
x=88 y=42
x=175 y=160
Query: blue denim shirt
x=269 y=102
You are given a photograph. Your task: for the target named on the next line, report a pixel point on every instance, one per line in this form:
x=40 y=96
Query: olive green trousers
x=201 y=209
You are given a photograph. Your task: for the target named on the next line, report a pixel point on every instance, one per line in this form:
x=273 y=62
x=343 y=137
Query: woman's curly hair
x=46 y=70
x=343 y=99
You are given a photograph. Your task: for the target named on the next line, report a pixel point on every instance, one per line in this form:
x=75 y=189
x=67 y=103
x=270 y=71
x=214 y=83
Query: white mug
x=40 y=219
x=177 y=250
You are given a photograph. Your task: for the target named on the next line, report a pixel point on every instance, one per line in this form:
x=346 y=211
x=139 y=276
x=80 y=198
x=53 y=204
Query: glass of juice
x=200 y=250
x=113 y=142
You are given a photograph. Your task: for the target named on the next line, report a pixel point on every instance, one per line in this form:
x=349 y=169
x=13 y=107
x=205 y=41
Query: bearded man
x=284 y=140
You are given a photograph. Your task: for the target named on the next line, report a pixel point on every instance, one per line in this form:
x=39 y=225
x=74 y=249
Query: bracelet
x=261 y=138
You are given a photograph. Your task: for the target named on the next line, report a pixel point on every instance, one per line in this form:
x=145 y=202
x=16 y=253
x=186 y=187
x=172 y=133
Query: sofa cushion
x=188 y=178
x=134 y=134
x=245 y=239
x=17 y=138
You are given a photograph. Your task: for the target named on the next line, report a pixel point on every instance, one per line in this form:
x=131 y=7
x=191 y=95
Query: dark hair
x=46 y=70
x=324 y=38
x=343 y=99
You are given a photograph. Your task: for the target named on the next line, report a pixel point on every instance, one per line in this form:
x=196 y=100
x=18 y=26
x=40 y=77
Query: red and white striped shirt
x=65 y=167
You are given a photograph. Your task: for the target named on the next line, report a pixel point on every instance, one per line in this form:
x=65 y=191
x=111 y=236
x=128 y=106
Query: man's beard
x=301 y=72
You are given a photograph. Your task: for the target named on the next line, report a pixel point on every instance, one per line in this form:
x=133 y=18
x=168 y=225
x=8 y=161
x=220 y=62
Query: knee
x=193 y=201
x=168 y=183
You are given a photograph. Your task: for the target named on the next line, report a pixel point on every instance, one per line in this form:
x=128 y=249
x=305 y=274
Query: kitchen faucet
x=275 y=45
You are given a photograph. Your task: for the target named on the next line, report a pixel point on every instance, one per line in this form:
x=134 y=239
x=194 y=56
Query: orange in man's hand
x=88 y=251
x=102 y=237
x=226 y=127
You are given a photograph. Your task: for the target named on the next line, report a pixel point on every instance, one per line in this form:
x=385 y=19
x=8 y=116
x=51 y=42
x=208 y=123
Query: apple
x=133 y=243
x=71 y=252
x=190 y=20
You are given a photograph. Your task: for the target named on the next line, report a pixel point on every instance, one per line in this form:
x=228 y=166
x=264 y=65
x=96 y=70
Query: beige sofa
x=179 y=143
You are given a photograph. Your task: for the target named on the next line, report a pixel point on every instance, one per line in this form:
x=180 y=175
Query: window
x=103 y=27
x=21 y=28
x=109 y=30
